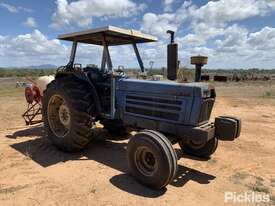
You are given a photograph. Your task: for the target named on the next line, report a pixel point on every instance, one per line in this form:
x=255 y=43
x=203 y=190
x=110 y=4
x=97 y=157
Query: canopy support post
x=72 y=57
x=106 y=56
x=138 y=57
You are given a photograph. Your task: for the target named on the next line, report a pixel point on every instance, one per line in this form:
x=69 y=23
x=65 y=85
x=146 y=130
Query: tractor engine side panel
x=156 y=101
x=157 y=107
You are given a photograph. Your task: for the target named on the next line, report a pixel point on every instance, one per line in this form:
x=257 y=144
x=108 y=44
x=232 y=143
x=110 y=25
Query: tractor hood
x=169 y=88
x=182 y=103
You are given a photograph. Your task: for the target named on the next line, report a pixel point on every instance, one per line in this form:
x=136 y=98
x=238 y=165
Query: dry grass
x=257 y=89
x=259 y=186
x=8 y=87
x=6 y=190
x=239 y=177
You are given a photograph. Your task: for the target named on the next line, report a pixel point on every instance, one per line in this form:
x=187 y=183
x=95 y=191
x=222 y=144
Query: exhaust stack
x=199 y=61
x=172 y=58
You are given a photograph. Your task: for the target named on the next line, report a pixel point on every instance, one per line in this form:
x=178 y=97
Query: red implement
x=33 y=98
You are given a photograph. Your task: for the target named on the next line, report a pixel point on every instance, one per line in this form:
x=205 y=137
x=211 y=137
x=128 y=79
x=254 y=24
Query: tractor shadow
x=180 y=155
x=109 y=153
x=186 y=174
x=36 y=131
x=44 y=153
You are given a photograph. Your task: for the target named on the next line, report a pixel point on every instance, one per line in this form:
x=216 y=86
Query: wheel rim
x=64 y=115
x=59 y=116
x=145 y=161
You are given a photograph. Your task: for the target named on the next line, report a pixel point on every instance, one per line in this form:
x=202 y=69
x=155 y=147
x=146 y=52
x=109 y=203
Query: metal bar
x=198 y=73
x=154 y=105
x=113 y=80
x=113 y=97
x=109 y=61
x=130 y=114
x=73 y=52
x=107 y=53
x=153 y=102
x=138 y=57
x=103 y=61
x=169 y=100
x=31 y=113
x=152 y=109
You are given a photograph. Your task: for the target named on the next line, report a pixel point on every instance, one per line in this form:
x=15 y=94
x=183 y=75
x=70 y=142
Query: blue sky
x=233 y=33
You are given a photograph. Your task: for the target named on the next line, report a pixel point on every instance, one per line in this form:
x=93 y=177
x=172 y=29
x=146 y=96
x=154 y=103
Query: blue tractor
x=162 y=113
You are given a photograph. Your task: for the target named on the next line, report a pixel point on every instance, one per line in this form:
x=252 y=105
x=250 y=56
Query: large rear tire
x=152 y=159
x=68 y=113
x=200 y=150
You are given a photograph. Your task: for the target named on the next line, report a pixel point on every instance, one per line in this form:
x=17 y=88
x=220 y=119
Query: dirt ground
x=33 y=172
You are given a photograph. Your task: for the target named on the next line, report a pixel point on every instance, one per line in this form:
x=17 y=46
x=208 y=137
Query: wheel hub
x=145 y=161
x=64 y=115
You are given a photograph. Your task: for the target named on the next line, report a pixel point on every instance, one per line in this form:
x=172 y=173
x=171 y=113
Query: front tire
x=152 y=159
x=68 y=113
x=204 y=150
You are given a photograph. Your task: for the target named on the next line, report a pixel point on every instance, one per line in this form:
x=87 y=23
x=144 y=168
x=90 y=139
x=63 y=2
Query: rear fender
x=84 y=78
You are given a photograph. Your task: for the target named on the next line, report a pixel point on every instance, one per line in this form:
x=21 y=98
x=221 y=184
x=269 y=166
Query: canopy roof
x=113 y=36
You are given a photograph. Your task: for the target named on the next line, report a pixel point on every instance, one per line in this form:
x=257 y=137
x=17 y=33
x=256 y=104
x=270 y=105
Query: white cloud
x=80 y=12
x=190 y=40
x=9 y=7
x=14 y=9
x=211 y=18
x=168 y=5
x=212 y=21
x=168 y=1
x=30 y=22
x=234 y=37
x=263 y=39
x=213 y=30
x=244 y=48
x=30 y=49
x=35 y=44
x=236 y=48
x=158 y=24
x=36 y=48
x=218 y=13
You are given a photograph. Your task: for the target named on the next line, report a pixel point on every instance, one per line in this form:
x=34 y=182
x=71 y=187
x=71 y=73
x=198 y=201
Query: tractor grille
x=154 y=107
x=206 y=109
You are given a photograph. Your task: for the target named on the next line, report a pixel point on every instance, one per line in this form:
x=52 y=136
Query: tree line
x=186 y=72
x=25 y=72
